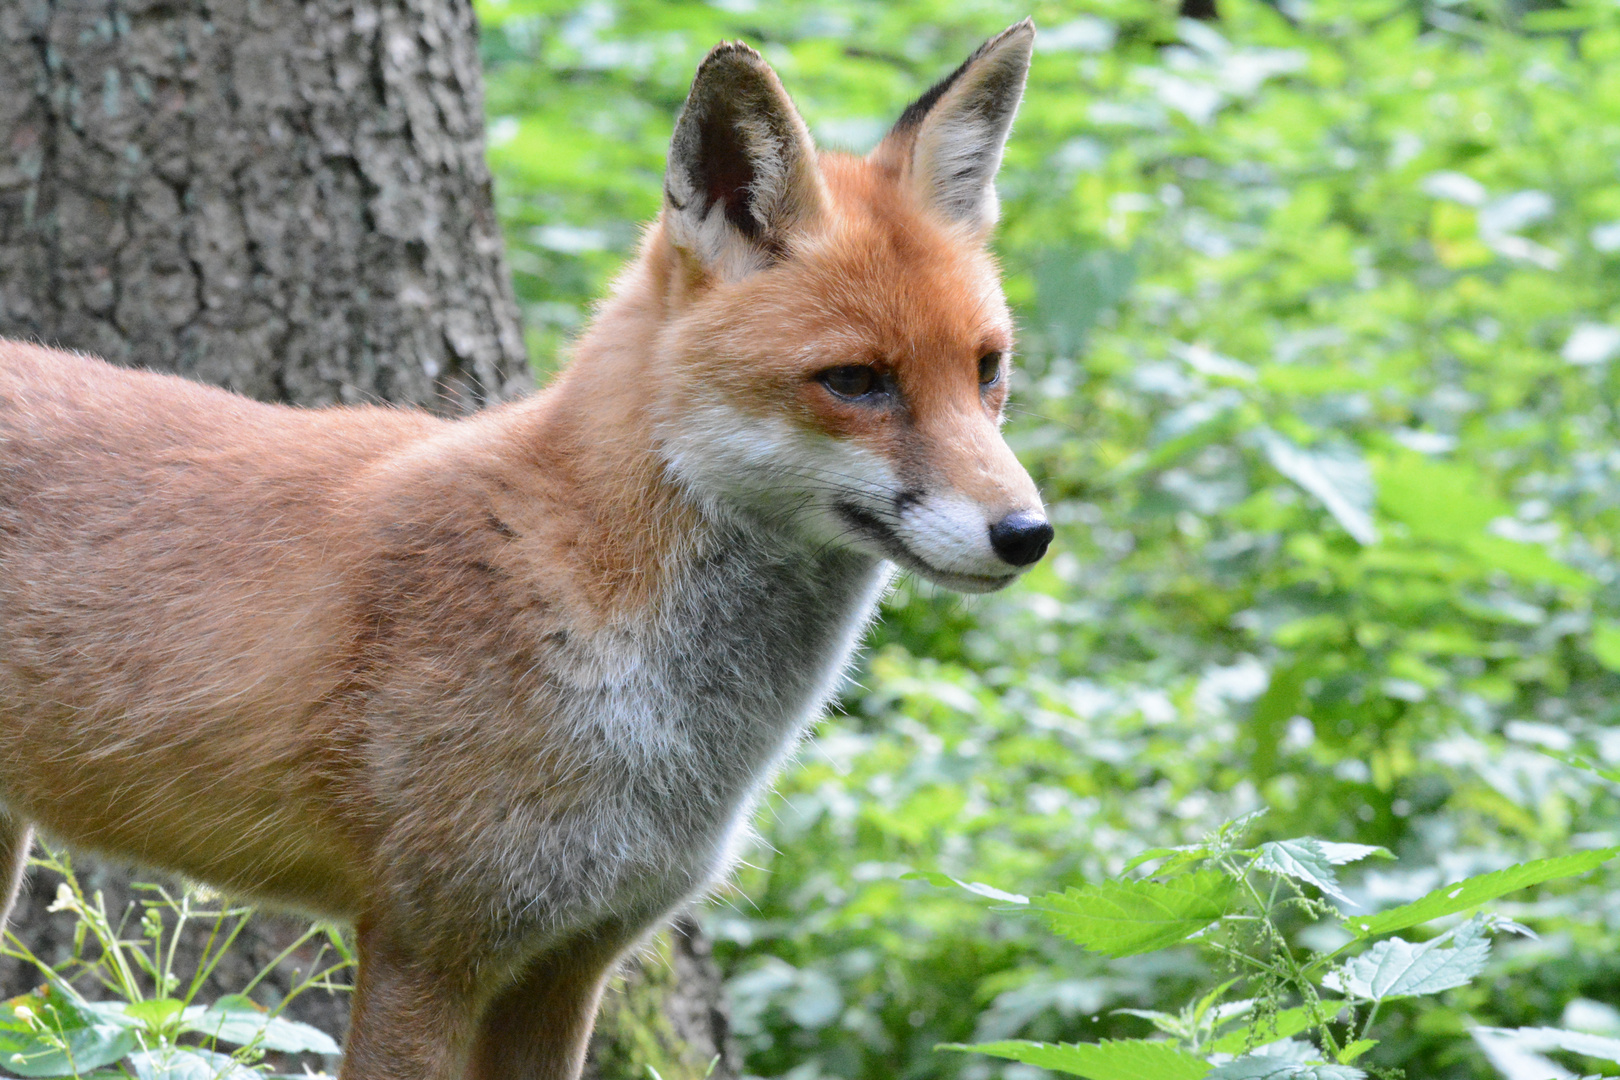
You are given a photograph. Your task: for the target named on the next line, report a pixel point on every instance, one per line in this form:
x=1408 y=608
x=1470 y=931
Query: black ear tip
x=1023 y=32
x=731 y=52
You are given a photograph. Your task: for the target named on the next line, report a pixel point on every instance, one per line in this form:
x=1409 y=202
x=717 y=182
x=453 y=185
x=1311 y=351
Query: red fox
x=503 y=691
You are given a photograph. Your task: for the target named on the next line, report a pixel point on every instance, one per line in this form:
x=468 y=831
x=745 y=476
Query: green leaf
x=1447 y=503
x=93 y=1040
x=945 y=881
x=1606 y=643
x=1355 y=1050
x=1471 y=892
x=185 y=1063
x=239 y=1020
x=1267 y=1068
x=1123 y=918
x=1268 y=720
x=1111 y=1059
x=1397 y=968
x=1304 y=860
x=1337 y=476
x=1312 y=861
x=1584 y=764
x=154 y=1013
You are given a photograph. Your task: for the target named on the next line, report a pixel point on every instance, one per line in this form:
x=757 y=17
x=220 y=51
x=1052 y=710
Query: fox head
x=835 y=346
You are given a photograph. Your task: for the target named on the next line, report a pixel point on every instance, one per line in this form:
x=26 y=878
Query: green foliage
x=148 y=1025
x=1123 y=918
x=1242 y=897
x=1478 y=890
x=1320 y=309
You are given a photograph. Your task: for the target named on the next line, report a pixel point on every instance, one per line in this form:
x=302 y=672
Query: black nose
x=1021 y=537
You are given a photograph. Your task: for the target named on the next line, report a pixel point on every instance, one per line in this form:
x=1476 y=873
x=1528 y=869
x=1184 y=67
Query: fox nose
x=1021 y=537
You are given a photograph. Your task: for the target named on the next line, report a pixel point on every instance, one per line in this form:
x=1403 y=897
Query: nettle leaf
x=1111 y=1059
x=154 y=1013
x=1263 y=1068
x=185 y=1063
x=1336 y=475
x=1397 y=968
x=1356 y=1049
x=978 y=888
x=1124 y=918
x=241 y=1021
x=1471 y=892
x=1175 y=857
x=1312 y=861
x=1340 y=854
x=1303 y=860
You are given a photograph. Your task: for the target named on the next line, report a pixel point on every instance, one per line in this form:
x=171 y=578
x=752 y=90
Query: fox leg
x=538 y=1028
x=16 y=838
x=411 y=1020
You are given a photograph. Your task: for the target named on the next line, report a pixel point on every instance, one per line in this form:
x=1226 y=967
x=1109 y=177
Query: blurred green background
x=1320 y=318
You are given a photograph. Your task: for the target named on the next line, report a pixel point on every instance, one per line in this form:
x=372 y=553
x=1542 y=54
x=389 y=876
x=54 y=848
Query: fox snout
x=966 y=543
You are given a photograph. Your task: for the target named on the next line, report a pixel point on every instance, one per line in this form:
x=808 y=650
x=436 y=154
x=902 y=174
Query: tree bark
x=285 y=197
x=288 y=198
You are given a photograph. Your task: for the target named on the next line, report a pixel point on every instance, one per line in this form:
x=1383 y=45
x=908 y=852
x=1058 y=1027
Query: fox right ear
x=742 y=173
x=947 y=144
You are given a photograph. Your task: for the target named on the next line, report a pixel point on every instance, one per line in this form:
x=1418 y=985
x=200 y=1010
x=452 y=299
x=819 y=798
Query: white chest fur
x=682 y=722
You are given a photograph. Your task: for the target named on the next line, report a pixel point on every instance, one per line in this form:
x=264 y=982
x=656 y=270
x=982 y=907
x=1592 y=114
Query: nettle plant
x=142 y=1020
x=1308 y=1015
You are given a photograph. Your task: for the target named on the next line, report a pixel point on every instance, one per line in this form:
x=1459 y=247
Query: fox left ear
x=948 y=143
x=742 y=174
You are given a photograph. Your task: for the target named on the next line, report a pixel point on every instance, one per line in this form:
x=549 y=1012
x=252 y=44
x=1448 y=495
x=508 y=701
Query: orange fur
x=372 y=665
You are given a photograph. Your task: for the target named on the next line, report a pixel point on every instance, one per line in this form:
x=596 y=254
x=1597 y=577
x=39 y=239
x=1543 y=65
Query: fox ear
x=947 y=144
x=742 y=173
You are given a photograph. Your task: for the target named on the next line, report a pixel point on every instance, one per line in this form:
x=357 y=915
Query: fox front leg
x=412 y=1018
x=539 y=1026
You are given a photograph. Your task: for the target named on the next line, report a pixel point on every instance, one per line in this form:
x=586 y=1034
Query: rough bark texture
x=285 y=197
x=288 y=198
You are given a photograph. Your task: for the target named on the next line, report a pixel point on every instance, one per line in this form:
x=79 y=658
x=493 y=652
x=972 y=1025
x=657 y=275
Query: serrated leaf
x=1355 y=1050
x=1397 y=968
x=1470 y=893
x=1165 y=1022
x=186 y=1063
x=1304 y=859
x=945 y=881
x=1263 y=1068
x=1158 y=853
x=1124 y=918
x=1111 y=1059
x=239 y=1020
x=1339 y=854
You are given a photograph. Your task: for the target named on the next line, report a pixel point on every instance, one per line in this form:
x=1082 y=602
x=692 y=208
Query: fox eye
x=989 y=369
x=851 y=380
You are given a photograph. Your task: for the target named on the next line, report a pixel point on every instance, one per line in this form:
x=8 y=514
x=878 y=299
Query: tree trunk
x=285 y=197
x=288 y=198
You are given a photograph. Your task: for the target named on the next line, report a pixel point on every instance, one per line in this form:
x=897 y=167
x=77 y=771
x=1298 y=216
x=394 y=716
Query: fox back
x=503 y=691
